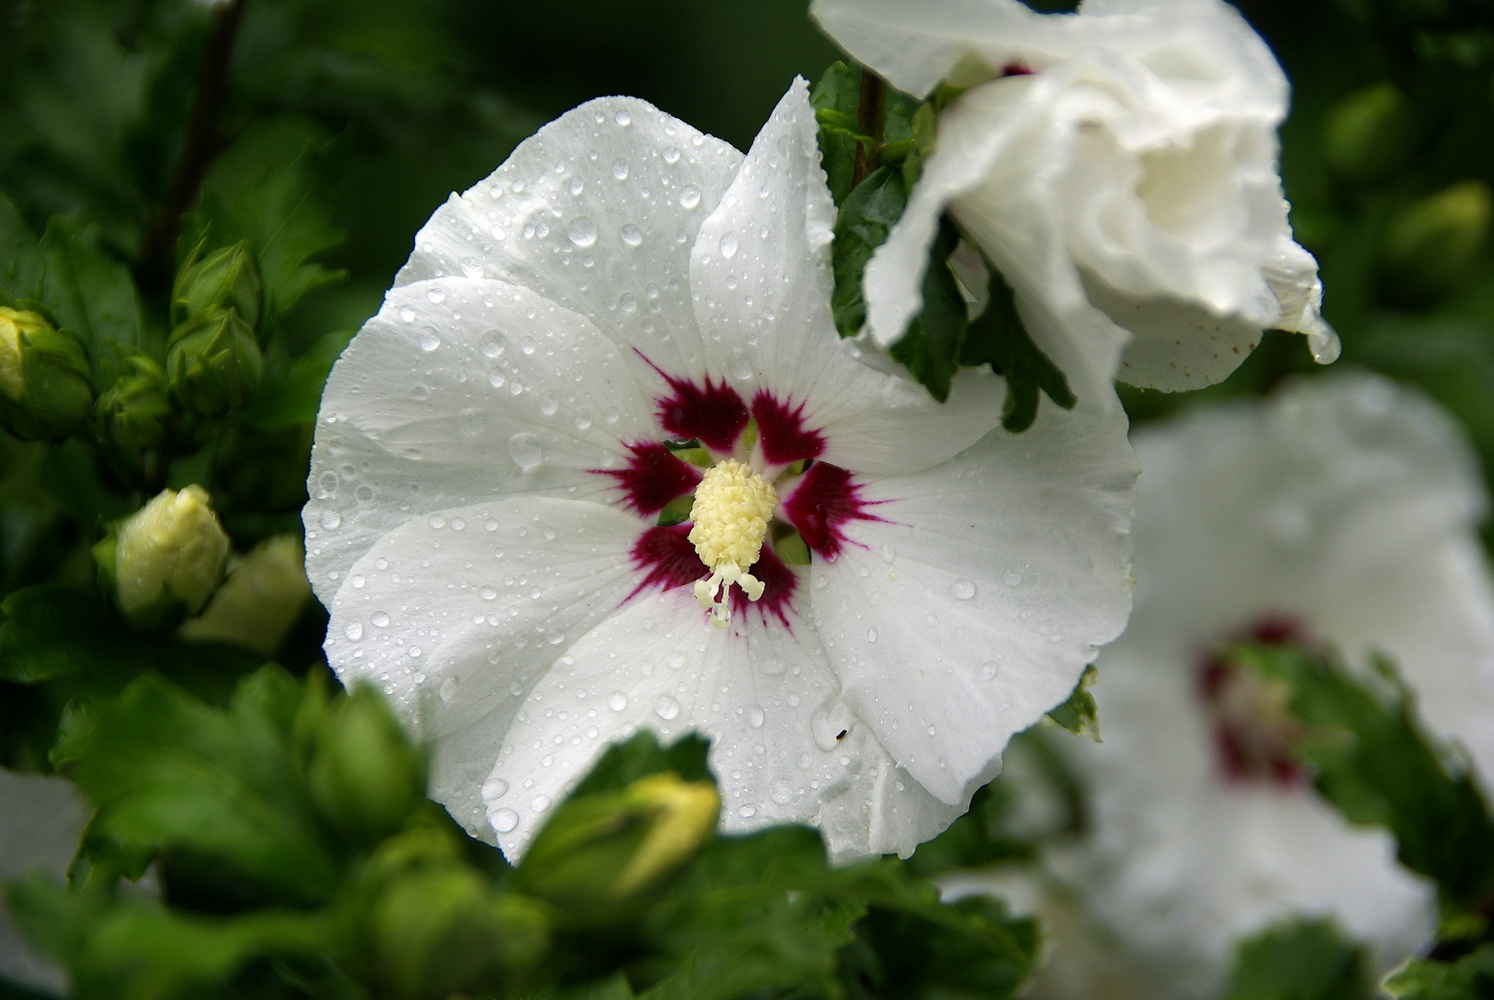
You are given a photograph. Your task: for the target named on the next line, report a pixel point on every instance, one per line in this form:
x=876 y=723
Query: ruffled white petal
x=462 y=389
x=784 y=745
x=974 y=602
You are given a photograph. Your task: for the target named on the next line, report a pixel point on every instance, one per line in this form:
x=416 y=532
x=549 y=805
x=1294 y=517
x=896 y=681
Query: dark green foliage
x=1298 y=960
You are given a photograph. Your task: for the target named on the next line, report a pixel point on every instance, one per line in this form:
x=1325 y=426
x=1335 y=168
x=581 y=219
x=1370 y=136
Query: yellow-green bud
x=1427 y=247
x=259 y=601
x=213 y=363
x=365 y=774
x=608 y=848
x=1370 y=134
x=46 y=388
x=165 y=560
x=133 y=412
x=227 y=278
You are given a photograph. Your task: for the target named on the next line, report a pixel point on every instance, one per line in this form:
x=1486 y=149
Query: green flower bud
x=365 y=775
x=213 y=363
x=226 y=279
x=165 y=560
x=1370 y=134
x=1427 y=247
x=133 y=412
x=443 y=930
x=608 y=848
x=259 y=601
x=46 y=389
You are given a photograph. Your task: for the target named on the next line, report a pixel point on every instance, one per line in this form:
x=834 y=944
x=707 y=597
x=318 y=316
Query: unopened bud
x=227 y=279
x=133 y=412
x=609 y=847
x=1427 y=247
x=46 y=389
x=165 y=561
x=1370 y=134
x=213 y=363
x=365 y=774
x=259 y=601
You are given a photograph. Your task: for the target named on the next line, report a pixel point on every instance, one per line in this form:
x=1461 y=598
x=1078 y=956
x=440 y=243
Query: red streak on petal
x=825 y=499
x=781 y=430
x=653 y=478
x=1016 y=69
x=666 y=558
x=712 y=414
x=779 y=583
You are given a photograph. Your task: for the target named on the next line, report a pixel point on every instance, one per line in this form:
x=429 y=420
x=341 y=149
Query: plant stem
x=870 y=115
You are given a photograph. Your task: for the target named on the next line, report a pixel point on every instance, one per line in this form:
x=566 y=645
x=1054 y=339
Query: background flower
x=1340 y=510
x=1118 y=165
x=495 y=449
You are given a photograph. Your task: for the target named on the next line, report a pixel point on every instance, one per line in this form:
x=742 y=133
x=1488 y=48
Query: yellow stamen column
x=732 y=507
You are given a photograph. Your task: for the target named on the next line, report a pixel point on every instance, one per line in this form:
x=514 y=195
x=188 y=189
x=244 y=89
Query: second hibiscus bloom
x=601 y=463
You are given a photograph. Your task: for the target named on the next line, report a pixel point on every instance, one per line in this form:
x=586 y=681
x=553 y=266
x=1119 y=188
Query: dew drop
x=576 y=186
x=689 y=196
x=871 y=635
x=436 y=295
x=379 y=618
x=492 y=343
x=671 y=155
x=620 y=169
x=525 y=451
x=583 y=231
x=830 y=723
x=667 y=707
x=747 y=811
x=755 y=717
x=472 y=267
x=353 y=630
x=1012 y=578
x=632 y=235
x=623 y=118
x=470 y=421
x=448 y=689
x=407 y=314
x=487 y=594
x=495 y=788
x=330 y=519
x=964 y=589
x=989 y=670
x=617 y=701
x=729 y=244
x=781 y=792
x=504 y=820
x=738 y=365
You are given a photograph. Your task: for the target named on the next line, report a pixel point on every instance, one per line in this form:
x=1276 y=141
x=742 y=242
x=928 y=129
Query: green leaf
x=131 y=948
x=998 y=337
x=1469 y=978
x=1077 y=713
x=291 y=392
x=1375 y=764
x=836 y=97
x=1298 y=960
x=20 y=258
x=931 y=348
x=88 y=291
x=165 y=769
x=865 y=219
x=263 y=190
x=625 y=763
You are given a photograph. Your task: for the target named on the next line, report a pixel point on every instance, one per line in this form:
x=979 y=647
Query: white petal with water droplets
x=520 y=396
x=973 y=604
x=616 y=247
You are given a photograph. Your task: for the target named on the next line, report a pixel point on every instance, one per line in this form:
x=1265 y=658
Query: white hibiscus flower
x=498 y=466
x=1339 y=512
x=1118 y=165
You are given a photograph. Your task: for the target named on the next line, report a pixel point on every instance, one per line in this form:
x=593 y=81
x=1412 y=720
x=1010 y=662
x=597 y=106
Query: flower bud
x=259 y=601
x=132 y=413
x=442 y=929
x=1369 y=135
x=1427 y=247
x=609 y=847
x=364 y=773
x=226 y=279
x=165 y=560
x=213 y=363
x=46 y=389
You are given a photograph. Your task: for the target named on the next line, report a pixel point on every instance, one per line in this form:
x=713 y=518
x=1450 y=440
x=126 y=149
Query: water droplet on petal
x=617 y=701
x=354 y=631
x=526 y=451
x=495 y=788
x=504 y=820
x=583 y=231
x=1012 y=578
x=330 y=519
x=671 y=155
x=989 y=670
x=623 y=118
x=747 y=811
x=667 y=707
x=632 y=235
x=729 y=243
x=620 y=169
x=755 y=717
x=380 y=618
x=689 y=196
x=964 y=589
x=470 y=421
x=492 y=343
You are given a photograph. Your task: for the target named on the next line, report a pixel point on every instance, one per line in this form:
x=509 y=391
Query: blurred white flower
x=1340 y=511
x=868 y=591
x=1118 y=165
x=41 y=821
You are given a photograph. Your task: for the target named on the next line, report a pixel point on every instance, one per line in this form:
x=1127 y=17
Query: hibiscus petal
x=597 y=211
x=767 y=333
x=454 y=614
x=973 y=603
x=785 y=746
x=461 y=389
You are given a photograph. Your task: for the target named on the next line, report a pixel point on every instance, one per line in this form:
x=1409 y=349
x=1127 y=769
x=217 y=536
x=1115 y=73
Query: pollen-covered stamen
x=730 y=518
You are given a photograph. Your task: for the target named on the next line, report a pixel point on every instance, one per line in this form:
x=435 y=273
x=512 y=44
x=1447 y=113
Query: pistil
x=730 y=516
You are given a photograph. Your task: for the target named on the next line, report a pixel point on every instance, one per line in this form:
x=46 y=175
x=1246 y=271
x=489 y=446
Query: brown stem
x=202 y=143
x=869 y=117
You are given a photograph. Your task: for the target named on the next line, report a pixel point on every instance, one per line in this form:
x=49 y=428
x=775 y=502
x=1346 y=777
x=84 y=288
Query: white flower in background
x=1118 y=165
x=41 y=821
x=869 y=592
x=1338 y=512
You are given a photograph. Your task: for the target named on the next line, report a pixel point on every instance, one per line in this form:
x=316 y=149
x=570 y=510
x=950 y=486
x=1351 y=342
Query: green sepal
x=865 y=219
x=998 y=337
x=1077 y=713
x=1300 y=959
x=1470 y=977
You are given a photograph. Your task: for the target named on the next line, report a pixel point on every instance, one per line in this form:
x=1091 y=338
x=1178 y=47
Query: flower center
x=1254 y=733
x=731 y=511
